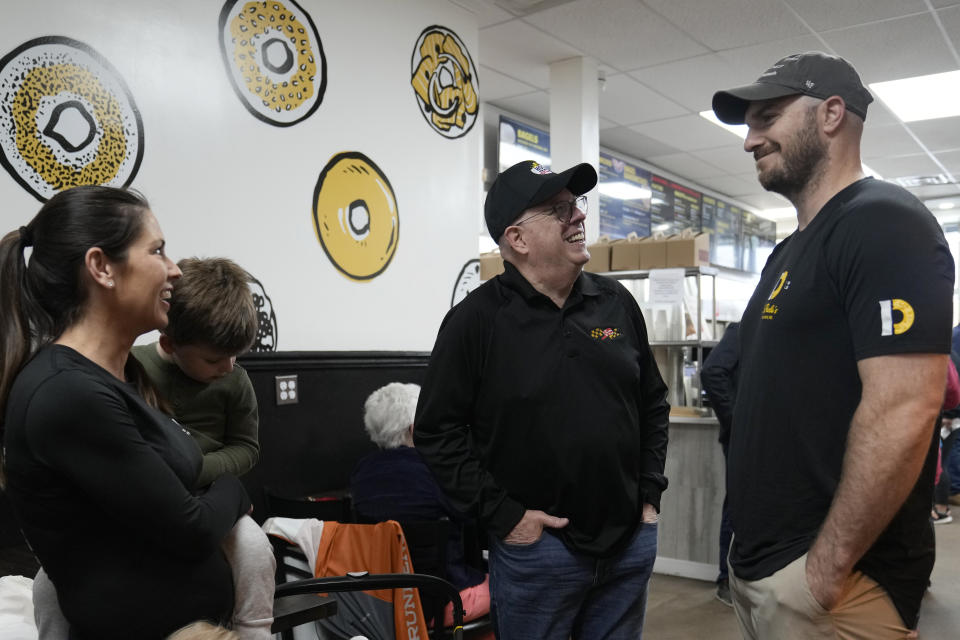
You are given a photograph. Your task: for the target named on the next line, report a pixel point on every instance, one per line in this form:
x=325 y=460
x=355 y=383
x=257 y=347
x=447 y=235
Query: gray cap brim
x=730 y=106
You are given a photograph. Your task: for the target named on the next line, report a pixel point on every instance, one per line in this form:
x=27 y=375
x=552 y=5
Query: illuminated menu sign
x=520 y=142
x=624 y=198
x=686 y=208
x=759 y=237
x=661 y=205
x=718 y=217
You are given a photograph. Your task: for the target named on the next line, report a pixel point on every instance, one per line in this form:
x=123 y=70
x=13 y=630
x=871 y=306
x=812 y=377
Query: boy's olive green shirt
x=222 y=415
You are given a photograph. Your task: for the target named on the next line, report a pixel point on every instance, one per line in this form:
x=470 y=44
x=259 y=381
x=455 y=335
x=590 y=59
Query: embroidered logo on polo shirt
x=887 y=326
x=610 y=333
x=770 y=310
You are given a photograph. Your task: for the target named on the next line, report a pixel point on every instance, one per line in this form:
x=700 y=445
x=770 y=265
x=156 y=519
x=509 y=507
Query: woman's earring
x=110 y=283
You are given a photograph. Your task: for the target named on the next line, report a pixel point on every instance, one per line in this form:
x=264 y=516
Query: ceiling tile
x=685 y=165
x=868 y=48
x=722 y=24
x=936 y=191
x=750 y=61
x=946 y=3
x=607 y=124
x=535 y=106
x=918 y=164
x=494 y=85
x=730 y=157
x=951 y=161
x=879 y=115
x=486 y=11
x=731 y=186
x=518 y=50
x=766 y=200
x=686 y=133
x=690 y=82
x=830 y=14
x=940 y=134
x=951 y=22
x=626 y=101
x=889 y=140
x=621 y=33
x=633 y=144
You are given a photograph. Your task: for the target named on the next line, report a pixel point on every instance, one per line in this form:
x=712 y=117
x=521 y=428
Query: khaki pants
x=781 y=607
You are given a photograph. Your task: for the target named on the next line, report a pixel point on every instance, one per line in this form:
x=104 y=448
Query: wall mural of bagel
x=355 y=215
x=445 y=82
x=267 y=333
x=274 y=59
x=67 y=118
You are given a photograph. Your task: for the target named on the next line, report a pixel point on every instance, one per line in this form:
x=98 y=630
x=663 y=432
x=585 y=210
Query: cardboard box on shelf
x=653 y=252
x=625 y=253
x=491 y=264
x=599 y=255
x=688 y=250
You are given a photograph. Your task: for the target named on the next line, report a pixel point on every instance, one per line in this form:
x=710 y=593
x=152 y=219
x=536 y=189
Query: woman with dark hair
x=100 y=479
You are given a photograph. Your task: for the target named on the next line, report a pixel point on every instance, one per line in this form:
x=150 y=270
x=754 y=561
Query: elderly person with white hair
x=394 y=483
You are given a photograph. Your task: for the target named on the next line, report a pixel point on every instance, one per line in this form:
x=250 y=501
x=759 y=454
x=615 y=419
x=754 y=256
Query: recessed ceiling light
x=922 y=97
x=624 y=191
x=739 y=130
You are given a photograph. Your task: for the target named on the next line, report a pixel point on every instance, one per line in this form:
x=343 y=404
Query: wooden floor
x=682 y=609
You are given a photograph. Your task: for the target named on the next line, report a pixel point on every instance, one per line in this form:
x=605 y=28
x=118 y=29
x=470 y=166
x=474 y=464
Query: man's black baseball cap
x=812 y=74
x=527 y=184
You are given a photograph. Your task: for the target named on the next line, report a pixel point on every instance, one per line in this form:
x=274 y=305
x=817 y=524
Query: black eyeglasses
x=562 y=211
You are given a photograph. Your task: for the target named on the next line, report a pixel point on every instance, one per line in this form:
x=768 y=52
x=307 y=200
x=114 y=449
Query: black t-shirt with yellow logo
x=871 y=275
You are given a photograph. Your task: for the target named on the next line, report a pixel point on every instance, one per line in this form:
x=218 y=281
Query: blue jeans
x=545 y=591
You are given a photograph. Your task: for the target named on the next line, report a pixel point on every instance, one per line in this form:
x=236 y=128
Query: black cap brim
x=730 y=106
x=578 y=179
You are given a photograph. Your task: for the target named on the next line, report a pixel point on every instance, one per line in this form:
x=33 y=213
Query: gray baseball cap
x=813 y=73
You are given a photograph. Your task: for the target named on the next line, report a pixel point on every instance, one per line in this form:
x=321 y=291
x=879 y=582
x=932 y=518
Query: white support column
x=575 y=124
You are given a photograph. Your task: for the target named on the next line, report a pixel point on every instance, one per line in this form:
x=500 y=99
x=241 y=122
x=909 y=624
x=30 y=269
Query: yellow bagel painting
x=274 y=59
x=445 y=82
x=355 y=216
x=67 y=118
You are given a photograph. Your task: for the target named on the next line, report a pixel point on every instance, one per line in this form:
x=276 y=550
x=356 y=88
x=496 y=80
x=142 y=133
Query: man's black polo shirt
x=528 y=406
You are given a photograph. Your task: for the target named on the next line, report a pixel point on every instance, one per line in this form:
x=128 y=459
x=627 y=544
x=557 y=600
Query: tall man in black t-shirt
x=842 y=369
x=543 y=413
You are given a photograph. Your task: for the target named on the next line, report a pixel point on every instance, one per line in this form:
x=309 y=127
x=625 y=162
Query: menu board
x=661 y=205
x=718 y=217
x=686 y=208
x=624 y=198
x=759 y=238
x=520 y=142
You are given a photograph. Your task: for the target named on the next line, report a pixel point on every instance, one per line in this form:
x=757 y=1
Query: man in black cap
x=543 y=412
x=843 y=358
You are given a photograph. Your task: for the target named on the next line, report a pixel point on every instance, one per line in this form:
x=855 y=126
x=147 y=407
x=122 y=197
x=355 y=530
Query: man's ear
x=833 y=112
x=99 y=267
x=166 y=343
x=514 y=237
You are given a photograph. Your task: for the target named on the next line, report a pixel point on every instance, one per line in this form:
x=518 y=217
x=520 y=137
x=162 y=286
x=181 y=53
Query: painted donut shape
x=355 y=215
x=66 y=118
x=274 y=59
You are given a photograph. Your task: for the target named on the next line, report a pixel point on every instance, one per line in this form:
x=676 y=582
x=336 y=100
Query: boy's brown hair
x=212 y=305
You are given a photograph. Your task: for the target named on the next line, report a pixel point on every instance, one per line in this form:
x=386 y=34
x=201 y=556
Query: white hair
x=388 y=413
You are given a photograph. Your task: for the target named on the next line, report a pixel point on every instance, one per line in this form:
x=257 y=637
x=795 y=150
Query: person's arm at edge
x=654 y=419
x=241 y=444
x=889 y=437
x=718 y=375
x=441 y=424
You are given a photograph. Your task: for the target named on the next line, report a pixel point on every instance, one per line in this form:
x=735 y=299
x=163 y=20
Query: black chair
x=296 y=604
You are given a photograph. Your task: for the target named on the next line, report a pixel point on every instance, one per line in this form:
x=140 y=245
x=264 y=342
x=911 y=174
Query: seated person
x=212 y=319
x=102 y=483
x=395 y=484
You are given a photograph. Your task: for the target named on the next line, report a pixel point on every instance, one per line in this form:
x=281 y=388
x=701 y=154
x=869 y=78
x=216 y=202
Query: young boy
x=211 y=320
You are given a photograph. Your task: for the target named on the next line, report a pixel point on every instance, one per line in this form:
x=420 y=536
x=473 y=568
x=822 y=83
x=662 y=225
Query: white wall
x=222 y=182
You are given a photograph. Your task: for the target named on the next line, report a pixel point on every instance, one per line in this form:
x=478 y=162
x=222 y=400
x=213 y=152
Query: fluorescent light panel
x=622 y=190
x=922 y=97
x=739 y=130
